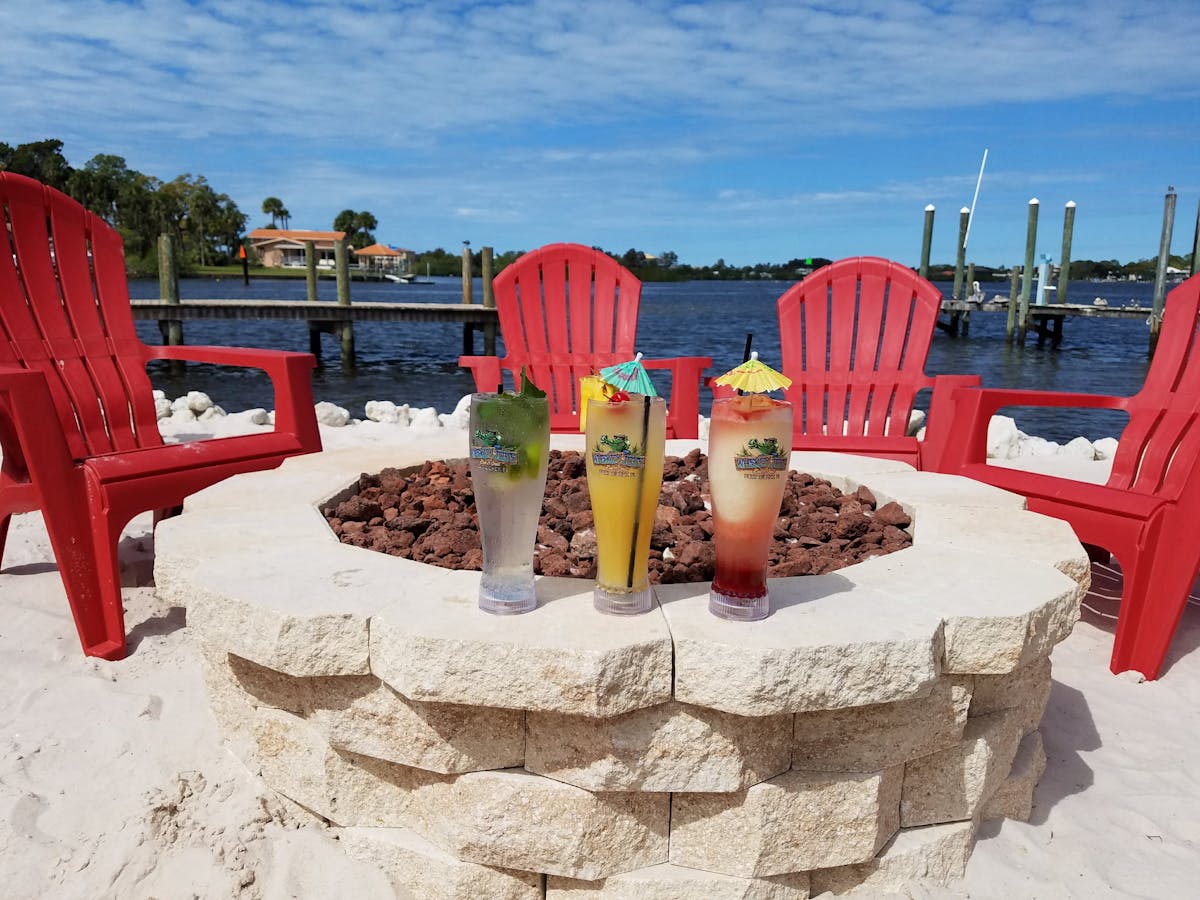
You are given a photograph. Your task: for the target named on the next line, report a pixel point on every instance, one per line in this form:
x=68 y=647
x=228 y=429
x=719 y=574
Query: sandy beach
x=114 y=781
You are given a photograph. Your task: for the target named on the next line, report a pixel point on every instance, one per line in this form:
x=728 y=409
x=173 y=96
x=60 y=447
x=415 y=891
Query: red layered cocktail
x=750 y=441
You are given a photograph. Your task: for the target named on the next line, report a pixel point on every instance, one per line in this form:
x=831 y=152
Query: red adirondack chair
x=854 y=337
x=1146 y=513
x=567 y=311
x=78 y=428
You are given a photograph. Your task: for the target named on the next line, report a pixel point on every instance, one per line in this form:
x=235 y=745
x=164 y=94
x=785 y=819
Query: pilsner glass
x=510 y=438
x=626 y=442
x=749 y=447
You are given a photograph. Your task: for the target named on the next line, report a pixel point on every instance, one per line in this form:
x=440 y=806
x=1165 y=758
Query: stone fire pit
x=858 y=736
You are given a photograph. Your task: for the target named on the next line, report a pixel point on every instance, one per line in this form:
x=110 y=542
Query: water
x=417 y=363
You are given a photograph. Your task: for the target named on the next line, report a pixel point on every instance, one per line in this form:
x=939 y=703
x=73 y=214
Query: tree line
x=208 y=227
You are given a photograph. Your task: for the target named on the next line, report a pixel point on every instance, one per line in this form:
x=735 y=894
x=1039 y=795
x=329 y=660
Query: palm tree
x=274 y=208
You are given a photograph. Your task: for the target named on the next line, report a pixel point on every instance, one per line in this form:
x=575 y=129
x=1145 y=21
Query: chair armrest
x=485 y=369
x=291 y=379
x=939 y=425
x=972 y=408
x=683 y=411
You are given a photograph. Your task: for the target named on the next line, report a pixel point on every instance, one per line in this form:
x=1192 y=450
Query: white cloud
x=542 y=112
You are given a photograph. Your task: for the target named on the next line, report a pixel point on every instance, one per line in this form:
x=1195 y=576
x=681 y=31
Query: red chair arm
x=939 y=425
x=485 y=369
x=684 y=403
x=291 y=379
x=965 y=442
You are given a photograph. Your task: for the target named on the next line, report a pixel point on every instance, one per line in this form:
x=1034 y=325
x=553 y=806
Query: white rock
x=179 y=403
x=213 y=412
x=1079 y=448
x=387 y=412
x=1037 y=446
x=162 y=407
x=461 y=417
x=1106 y=448
x=198 y=401
x=1002 y=437
x=181 y=416
x=158 y=395
x=257 y=416
x=916 y=422
x=332 y=414
x=425 y=419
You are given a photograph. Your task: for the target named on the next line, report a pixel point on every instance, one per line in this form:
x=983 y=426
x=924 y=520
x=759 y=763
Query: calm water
x=417 y=363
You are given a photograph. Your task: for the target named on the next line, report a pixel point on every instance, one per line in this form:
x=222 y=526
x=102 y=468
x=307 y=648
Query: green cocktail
x=510 y=436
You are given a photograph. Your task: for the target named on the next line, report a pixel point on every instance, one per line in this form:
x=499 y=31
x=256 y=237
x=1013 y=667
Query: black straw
x=637 y=510
x=746 y=354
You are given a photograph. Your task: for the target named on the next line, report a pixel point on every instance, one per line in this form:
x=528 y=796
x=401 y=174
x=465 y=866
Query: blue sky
x=747 y=131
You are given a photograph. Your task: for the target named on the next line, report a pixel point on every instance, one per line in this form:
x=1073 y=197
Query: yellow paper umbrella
x=754 y=377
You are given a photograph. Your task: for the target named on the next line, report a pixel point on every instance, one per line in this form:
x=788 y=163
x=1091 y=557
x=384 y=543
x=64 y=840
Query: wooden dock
x=1046 y=321
x=329 y=316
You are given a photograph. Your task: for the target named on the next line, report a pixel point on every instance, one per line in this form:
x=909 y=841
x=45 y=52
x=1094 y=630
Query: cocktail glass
x=510 y=437
x=749 y=446
x=626 y=441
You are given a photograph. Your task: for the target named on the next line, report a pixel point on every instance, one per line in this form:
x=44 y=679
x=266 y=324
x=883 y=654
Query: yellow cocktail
x=626 y=442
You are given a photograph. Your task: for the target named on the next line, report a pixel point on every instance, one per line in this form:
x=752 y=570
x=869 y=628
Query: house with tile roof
x=277 y=247
x=382 y=258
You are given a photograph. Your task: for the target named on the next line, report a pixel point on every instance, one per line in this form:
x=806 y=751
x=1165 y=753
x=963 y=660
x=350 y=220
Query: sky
x=740 y=130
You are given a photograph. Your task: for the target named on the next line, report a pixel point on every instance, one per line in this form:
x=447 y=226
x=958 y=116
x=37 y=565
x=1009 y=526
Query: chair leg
x=91 y=577
x=4 y=521
x=1159 y=599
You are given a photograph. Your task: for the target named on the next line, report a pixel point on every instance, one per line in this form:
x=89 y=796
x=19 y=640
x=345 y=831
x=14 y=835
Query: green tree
x=42 y=160
x=274 y=208
x=359 y=227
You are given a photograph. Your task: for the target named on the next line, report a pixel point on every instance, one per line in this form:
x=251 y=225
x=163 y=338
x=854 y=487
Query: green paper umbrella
x=630 y=376
x=754 y=377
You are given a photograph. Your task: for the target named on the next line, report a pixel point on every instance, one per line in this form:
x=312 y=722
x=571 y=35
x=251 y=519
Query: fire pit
x=857 y=736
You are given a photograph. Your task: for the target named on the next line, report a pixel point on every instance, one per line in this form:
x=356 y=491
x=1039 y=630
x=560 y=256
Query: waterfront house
x=277 y=247
x=381 y=258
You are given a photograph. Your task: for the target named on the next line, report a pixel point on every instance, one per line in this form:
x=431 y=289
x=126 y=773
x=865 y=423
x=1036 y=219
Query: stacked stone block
x=853 y=740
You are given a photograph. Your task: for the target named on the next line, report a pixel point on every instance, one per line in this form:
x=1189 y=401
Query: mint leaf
x=528 y=388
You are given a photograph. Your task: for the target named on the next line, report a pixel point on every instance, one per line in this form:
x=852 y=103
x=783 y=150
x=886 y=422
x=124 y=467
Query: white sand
x=114 y=782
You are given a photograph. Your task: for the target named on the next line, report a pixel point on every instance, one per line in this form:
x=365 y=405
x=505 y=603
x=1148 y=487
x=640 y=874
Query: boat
x=402 y=278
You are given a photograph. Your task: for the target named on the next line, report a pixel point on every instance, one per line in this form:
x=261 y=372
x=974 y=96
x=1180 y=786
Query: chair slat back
x=64 y=311
x=564 y=310
x=1160 y=446
x=855 y=336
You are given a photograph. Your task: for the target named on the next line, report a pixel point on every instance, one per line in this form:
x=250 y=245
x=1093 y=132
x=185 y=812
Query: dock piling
x=168 y=289
x=341 y=264
x=310 y=278
x=1027 y=279
x=927 y=241
x=489 y=301
x=1064 y=271
x=1160 y=271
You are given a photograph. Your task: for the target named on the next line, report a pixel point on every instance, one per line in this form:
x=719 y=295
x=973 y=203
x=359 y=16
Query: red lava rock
x=427 y=513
